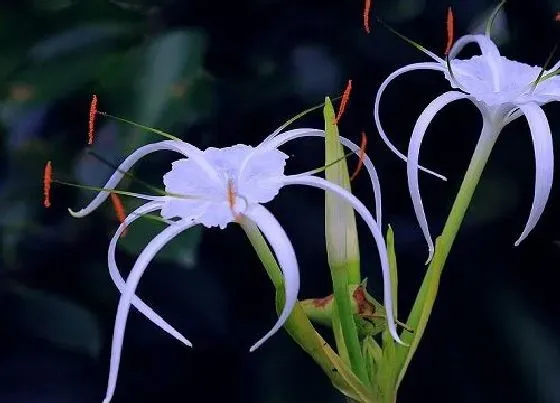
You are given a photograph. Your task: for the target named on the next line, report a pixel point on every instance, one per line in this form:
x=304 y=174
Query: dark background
x=219 y=73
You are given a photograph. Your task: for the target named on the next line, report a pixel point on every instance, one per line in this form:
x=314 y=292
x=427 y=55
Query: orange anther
x=92 y=116
x=450 y=30
x=361 y=155
x=119 y=210
x=47 y=180
x=367 y=8
x=344 y=101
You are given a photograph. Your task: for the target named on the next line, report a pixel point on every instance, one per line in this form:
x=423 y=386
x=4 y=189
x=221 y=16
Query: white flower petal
x=128 y=295
x=284 y=251
x=120 y=282
x=171 y=145
x=373 y=227
x=279 y=130
x=288 y=136
x=420 y=127
x=392 y=76
x=544 y=163
x=490 y=54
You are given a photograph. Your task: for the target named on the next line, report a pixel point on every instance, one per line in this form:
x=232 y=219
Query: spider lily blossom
x=503 y=90
x=215 y=187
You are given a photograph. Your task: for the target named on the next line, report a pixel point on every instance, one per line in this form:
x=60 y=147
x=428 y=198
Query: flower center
x=232 y=199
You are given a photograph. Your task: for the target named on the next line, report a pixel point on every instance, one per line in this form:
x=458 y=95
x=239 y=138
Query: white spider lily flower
x=213 y=188
x=503 y=90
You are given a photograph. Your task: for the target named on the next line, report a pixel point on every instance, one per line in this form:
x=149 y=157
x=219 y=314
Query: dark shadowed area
x=218 y=73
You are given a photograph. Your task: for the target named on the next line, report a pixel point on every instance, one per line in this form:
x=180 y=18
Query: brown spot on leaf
x=364 y=307
x=321 y=302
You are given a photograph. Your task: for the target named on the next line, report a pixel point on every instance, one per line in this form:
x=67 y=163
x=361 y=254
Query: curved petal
x=384 y=84
x=375 y=231
x=544 y=163
x=413 y=152
x=171 y=145
x=287 y=136
x=489 y=51
x=284 y=251
x=128 y=294
x=120 y=282
x=267 y=143
x=278 y=132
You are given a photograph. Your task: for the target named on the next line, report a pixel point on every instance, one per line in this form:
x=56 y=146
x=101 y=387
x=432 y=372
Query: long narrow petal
x=128 y=294
x=384 y=84
x=489 y=51
x=284 y=251
x=287 y=136
x=120 y=282
x=544 y=163
x=171 y=145
x=413 y=152
x=362 y=210
x=276 y=133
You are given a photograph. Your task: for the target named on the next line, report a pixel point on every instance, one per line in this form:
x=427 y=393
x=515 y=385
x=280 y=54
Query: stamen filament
x=120 y=192
x=131 y=123
x=296 y=117
x=128 y=174
x=330 y=164
x=407 y=40
x=493 y=17
x=541 y=76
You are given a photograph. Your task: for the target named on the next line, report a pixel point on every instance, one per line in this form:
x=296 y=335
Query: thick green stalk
x=302 y=331
x=424 y=303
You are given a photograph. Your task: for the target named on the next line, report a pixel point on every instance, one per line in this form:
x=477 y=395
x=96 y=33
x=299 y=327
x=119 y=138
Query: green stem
x=343 y=306
x=424 y=303
x=302 y=331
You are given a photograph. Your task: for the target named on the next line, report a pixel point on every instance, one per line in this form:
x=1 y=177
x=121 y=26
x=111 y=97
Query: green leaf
x=76 y=39
x=182 y=250
x=171 y=59
x=57 y=320
x=389 y=366
x=59 y=76
x=373 y=355
x=393 y=268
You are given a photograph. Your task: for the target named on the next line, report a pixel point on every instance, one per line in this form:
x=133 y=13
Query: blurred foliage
x=217 y=73
x=54 y=59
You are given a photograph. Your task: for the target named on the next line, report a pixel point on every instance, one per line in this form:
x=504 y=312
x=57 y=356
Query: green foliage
x=57 y=320
x=181 y=250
